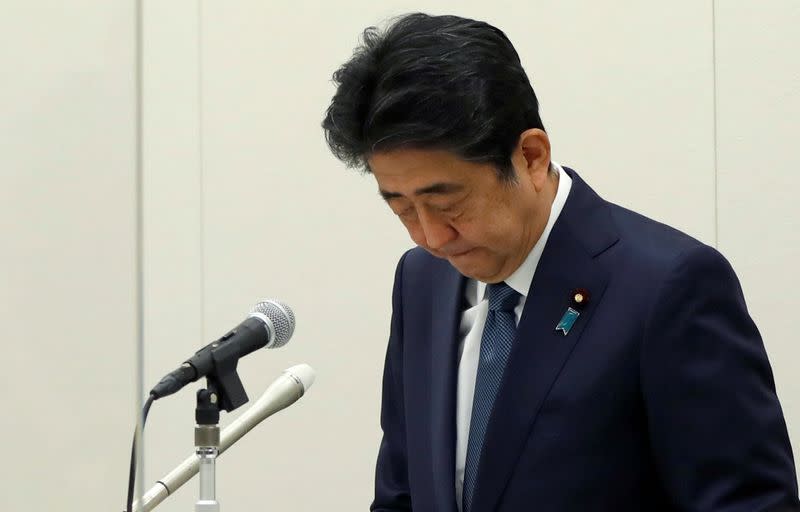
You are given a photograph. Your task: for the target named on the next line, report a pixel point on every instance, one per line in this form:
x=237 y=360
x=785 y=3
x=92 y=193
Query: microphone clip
x=225 y=381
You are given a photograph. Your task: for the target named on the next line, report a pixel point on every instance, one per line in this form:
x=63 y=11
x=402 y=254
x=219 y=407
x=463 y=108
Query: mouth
x=459 y=254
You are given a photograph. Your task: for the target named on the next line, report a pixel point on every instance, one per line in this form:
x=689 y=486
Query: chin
x=475 y=268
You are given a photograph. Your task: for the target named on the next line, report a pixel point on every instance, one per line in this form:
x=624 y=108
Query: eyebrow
x=436 y=188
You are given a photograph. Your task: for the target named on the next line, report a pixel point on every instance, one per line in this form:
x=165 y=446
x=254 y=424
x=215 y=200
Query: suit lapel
x=447 y=304
x=584 y=230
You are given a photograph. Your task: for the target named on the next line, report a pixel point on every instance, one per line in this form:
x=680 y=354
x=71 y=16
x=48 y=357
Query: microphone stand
x=206 y=441
x=293 y=383
x=224 y=391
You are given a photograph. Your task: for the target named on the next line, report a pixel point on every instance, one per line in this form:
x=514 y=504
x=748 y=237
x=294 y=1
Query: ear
x=533 y=156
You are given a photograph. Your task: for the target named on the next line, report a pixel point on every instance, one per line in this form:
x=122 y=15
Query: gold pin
x=580 y=297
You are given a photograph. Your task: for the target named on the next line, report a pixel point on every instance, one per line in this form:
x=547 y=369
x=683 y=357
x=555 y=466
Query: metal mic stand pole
x=206 y=441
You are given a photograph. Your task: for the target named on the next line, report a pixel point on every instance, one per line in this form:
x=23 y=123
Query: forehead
x=415 y=168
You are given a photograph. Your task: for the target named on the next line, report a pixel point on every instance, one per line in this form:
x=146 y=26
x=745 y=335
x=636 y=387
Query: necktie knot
x=502 y=297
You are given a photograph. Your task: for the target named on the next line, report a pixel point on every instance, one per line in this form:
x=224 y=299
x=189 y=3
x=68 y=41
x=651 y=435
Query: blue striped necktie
x=496 y=343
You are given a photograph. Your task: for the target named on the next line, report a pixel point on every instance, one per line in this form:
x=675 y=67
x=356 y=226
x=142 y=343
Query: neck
x=548 y=194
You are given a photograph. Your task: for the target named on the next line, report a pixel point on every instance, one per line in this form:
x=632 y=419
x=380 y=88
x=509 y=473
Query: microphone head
x=302 y=373
x=279 y=318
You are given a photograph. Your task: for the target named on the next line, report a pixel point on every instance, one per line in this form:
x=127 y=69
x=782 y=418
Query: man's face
x=461 y=211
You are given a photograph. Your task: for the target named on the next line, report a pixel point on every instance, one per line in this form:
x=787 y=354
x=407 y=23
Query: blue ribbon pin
x=567 y=321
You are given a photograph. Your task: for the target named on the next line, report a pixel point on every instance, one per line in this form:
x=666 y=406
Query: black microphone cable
x=132 y=474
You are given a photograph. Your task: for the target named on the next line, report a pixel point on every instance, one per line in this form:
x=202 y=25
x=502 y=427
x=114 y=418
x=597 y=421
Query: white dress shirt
x=474 y=318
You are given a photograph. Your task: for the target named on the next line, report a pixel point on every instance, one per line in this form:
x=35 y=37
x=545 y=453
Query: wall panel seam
x=714 y=124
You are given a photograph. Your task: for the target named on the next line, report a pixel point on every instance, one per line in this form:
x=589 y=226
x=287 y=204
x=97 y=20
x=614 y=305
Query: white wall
x=67 y=253
x=758 y=110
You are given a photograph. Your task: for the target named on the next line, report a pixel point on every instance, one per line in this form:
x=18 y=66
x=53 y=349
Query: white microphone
x=283 y=392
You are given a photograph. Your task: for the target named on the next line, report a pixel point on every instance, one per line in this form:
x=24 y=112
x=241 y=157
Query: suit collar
x=587 y=216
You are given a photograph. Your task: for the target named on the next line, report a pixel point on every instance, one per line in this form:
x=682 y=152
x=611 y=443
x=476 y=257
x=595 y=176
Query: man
x=549 y=350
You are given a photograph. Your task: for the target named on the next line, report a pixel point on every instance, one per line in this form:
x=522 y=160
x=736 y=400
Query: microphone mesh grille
x=282 y=318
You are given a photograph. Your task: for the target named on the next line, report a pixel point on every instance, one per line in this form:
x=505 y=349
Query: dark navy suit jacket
x=660 y=397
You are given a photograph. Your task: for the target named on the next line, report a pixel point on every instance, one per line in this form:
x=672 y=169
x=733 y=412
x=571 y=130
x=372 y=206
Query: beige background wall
x=682 y=111
x=67 y=253
x=758 y=116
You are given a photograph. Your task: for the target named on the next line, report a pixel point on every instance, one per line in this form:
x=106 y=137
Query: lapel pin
x=578 y=299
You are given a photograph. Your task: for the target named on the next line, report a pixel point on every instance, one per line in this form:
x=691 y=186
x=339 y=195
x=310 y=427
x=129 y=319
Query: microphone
x=270 y=324
x=283 y=392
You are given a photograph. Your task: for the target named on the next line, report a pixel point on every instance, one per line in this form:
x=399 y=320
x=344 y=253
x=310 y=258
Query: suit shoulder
x=418 y=261
x=657 y=248
x=650 y=238
x=412 y=266
x=418 y=256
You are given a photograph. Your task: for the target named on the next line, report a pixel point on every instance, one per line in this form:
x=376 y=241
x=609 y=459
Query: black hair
x=432 y=82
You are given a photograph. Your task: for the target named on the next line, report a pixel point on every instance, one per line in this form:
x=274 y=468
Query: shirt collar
x=521 y=279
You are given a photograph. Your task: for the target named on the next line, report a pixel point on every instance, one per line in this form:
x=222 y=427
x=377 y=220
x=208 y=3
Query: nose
x=436 y=231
